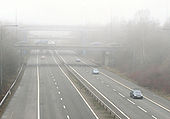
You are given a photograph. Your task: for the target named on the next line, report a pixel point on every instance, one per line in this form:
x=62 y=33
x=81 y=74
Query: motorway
x=46 y=92
x=116 y=90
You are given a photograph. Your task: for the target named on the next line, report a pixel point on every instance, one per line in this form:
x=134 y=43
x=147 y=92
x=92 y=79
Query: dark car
x=136 y=94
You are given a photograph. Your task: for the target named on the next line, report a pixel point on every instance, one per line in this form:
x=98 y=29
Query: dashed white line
x=107 y=85
x=68 y=117
x=102 y=94
x=57 y=87
x=121 y=95
x=55 y=83
x=59 y=92
x=130 y=101
x=131 y=89
x=11 y=115
x=76 y=90
x=61 y=98
x=141 y=108
x=154 y=117
x=64 y=106
x=114 y=89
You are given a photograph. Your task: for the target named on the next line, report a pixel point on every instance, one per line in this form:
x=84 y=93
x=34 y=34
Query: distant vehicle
x=42 y=57
x=50 y=42
x=22 y=42
x=95 y=71
x=41 y=42
x=136 y=94
x=96 y=43
x=77 y=60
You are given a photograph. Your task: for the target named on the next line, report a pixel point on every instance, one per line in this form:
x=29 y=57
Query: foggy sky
x=79 y=11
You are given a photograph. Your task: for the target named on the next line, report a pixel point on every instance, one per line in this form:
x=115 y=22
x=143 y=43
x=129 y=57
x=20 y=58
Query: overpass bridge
x=66 y=47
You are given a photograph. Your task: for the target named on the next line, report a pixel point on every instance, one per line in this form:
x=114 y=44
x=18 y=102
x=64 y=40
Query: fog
x=79 y=11
x=129 y=38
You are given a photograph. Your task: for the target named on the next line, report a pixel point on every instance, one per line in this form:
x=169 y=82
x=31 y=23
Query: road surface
x=45 y=92
x=117 y=90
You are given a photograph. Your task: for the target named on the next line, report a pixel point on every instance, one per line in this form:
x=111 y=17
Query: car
x=136 y=94
x=42 y=57
x=50 y=42
x=95 y=71
x=77 y=60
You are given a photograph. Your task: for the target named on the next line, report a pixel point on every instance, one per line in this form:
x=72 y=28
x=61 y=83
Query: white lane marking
x=114 y=89
x=154 y=117
x=64 y=106
x=38 y=78
x=55 y=83
x=11 y=115
x=59 y=92
x=61 y=98
x=107 y=85
x=76 y=89
x=57 y=87
x=141 y=108
x=68 y=117
x=131 y=89
x=121 y=95
x=130 y=101
x=102 y=94
x=53 y=79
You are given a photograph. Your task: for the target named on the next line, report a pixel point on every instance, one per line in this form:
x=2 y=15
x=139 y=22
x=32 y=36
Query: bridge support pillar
x=106 y=56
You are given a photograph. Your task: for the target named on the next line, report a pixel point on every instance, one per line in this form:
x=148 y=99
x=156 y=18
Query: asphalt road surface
x=45 y=92
x=116 y=89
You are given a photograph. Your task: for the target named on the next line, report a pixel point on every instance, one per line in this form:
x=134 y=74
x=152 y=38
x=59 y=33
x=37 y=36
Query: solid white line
x=121 y=95
x=2 y=101
x=154 y=117
x=131 y=89
x=141 y=108
x=130 y=101
x=101 y=94
x=76 y=89
x=38 y=78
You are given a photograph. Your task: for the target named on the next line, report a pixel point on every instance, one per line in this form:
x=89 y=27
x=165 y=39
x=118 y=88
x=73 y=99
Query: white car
x=42 y=57
x=77 y=60
x=95 y=71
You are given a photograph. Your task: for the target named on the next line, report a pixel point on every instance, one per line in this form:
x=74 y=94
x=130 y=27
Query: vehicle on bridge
x=42 y=57
x=77 y=60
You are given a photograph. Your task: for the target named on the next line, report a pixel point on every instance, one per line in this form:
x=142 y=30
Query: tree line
x=144 y=55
